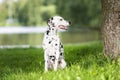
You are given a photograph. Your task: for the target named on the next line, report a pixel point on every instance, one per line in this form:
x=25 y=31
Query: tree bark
x=111 y=27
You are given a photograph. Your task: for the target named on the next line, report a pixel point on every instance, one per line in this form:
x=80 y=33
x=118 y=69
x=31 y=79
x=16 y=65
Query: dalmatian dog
x=53 y=48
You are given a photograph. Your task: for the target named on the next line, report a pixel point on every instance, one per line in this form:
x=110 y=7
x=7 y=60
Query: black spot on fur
x=61 y=54
x=61 y=19
x=52 y=18
x=52 y=28
x=61 y=45
x=46 y=37
x=48 y=32
x=56 y=44
x=48 y=21
x=52 y=58
x=59 y=62
x=50 y=42
x=53 y=24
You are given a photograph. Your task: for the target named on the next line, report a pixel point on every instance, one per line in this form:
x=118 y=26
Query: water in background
x=71 y=37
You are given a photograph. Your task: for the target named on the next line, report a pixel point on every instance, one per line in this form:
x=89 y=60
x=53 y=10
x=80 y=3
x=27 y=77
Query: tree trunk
x=111 y=27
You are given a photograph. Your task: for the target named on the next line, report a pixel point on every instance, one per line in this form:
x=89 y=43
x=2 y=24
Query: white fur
x=53 y=48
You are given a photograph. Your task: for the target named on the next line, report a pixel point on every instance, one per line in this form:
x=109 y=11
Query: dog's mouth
x=63 y=27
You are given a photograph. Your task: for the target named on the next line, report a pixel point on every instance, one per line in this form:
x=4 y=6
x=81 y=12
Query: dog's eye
x=61 y=19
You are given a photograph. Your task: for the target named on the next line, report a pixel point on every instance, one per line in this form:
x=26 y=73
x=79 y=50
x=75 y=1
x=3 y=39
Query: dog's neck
x=52 y=31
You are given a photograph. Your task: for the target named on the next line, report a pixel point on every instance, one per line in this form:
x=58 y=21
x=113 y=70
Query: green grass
x=84 y=62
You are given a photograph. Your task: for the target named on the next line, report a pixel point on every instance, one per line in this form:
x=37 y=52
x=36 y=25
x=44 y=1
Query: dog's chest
x=53 y=41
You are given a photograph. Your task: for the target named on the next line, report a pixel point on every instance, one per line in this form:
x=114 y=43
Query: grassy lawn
x=84 y=62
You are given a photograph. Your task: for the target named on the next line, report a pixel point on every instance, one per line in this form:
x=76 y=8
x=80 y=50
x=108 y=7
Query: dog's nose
x=70 y=23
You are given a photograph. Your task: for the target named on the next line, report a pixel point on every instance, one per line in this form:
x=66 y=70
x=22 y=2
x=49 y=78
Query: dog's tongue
x=63 y=27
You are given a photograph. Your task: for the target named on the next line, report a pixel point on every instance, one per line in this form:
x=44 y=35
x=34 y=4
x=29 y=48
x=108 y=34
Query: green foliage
x=28 y=12
x=81 y=12
x=84 y=62
x=33 y=14
x=3 y=13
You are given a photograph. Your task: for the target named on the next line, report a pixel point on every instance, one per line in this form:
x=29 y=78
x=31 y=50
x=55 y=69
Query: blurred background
x=23 y=22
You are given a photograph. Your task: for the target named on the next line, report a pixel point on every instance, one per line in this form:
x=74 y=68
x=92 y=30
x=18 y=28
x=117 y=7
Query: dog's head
x=58 y=22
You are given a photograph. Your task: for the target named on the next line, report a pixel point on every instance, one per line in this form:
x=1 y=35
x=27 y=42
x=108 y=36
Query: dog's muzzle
x=65 y=27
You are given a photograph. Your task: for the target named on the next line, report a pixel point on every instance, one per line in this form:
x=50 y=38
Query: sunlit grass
x=84 y=62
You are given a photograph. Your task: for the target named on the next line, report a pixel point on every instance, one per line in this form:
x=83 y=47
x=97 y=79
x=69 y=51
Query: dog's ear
x=49 y=21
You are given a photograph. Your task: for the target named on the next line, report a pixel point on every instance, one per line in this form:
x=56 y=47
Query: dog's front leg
x=56 y=65
x=46 y=65
x=56 y=62
x=62 y=64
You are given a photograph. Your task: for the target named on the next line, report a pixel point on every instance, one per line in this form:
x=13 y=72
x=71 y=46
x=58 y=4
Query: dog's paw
x=62 y=64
